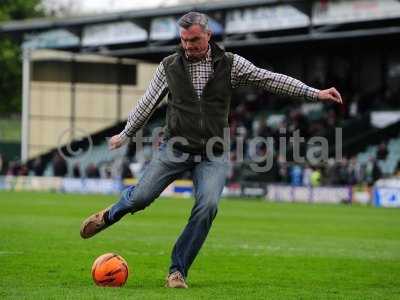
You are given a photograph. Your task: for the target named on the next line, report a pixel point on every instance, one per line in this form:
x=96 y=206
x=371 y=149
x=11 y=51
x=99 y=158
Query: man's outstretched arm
x=244 y=73
x=143 y=109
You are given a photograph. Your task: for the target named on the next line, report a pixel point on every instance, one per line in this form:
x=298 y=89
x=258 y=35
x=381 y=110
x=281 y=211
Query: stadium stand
x=322 y=43
x=388 y=164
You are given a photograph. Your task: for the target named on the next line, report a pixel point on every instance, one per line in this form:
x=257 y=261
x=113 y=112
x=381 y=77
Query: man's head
x=195 y=35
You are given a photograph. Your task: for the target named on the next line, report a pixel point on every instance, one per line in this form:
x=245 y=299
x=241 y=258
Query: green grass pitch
x=255 y=250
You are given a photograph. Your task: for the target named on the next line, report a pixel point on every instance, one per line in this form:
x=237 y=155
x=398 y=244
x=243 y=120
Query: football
x=110 y=270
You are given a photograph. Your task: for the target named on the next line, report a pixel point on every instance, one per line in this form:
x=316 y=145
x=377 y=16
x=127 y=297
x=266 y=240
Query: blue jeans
x=208 y=181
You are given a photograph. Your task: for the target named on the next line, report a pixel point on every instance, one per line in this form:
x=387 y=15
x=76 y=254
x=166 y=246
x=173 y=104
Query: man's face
x=195 y=42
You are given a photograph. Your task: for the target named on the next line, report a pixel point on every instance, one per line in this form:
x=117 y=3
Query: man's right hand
x=115 y=142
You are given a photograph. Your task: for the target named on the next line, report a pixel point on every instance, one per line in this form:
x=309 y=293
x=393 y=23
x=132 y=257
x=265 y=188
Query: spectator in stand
x=297 y=121
x=108 y=171
x=105 y=169
x=243 y=117
x=330 y=172
x=264 y=130
x=354 y=172
x=307 y=176
x=372 y=171
x=13 y=168
x=60 y=168
x=397 y=171
x=382 y=152
x=242 y=135
x=331 y=118
x=92 y=171
x=76 y=170
x=296 y=175
x=343 y=173
x=283 y=169
x=316 y=178
x=38 y=167
x=23 y=170
x=316 y=128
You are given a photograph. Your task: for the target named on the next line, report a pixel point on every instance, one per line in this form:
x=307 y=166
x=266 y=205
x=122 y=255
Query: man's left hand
x=330 y=95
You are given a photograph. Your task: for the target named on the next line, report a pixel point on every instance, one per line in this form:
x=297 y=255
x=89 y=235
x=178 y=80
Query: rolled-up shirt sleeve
x=245 y=73
x=146 y=105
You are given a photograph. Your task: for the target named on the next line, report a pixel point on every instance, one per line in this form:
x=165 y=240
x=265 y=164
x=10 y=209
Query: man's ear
x=209 y=33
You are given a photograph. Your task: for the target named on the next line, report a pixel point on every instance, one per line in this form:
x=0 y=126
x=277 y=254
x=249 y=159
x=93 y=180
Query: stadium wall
x=385 y=193
x=74 y=95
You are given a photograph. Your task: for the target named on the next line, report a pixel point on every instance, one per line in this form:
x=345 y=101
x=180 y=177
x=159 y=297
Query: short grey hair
x=193 y=18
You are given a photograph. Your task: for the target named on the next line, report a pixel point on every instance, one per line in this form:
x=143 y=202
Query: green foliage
x=19 y=9
x=10 y=77
x=10 y=53
x=10 y=129
x=255 y=250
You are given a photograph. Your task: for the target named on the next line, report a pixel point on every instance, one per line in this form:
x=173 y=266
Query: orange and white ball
x=110 y=269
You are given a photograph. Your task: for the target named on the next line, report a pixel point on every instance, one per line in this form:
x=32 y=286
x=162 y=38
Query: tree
x=61 y=8
x=10 y=53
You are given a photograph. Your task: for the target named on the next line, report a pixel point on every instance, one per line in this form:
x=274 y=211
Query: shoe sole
x=92 y=219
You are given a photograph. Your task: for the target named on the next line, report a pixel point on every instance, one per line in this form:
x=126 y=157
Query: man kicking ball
x=198 y=79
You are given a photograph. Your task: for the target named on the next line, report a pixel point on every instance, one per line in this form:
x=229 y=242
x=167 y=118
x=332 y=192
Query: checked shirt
x=243 y=73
